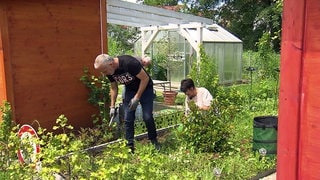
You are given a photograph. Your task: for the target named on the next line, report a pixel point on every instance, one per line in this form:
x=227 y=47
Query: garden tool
x=113 y=117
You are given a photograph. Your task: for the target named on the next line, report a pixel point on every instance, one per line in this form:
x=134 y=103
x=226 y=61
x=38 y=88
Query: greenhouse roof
x=216 y=34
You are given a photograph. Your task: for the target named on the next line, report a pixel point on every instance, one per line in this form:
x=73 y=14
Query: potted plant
x=170 y=95
x=161 y=71
x=162 y=66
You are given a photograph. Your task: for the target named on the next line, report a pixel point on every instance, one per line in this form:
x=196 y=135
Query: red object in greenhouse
x=299 y=94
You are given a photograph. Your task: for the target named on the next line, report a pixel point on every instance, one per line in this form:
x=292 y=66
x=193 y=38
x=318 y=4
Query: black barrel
x=265 y=130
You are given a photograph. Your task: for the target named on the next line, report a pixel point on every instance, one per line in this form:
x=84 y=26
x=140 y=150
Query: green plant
x=265 y=79
x=165 y=57
x=269 y=61
x=204 y=73
x=8 y=142
x=99 y=88
x=214 y=124
x=204 y=131
x=159 y=71
x=180 y=99
x=6 y=123
x=64 y=152
x=121 y=39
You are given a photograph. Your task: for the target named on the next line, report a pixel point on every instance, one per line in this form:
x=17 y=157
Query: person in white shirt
x=201 y=96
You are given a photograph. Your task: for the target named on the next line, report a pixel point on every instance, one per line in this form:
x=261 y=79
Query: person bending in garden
x=200 y=96
x=127 y=70
x=145 y=61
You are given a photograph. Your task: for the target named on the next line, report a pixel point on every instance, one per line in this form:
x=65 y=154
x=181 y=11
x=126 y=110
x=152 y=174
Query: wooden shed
x=44 y=47
x=299 y=109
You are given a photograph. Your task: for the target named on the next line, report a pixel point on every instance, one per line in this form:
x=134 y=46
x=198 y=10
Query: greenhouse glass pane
x=229 y=63
x=219 y=57
x=177 y=70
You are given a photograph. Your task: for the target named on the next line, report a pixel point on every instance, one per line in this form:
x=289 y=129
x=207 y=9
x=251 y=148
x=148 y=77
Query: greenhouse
x=180 y=46
x=178 y=36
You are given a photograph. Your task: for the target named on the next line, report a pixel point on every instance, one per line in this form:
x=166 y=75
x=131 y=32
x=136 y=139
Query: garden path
x=270 y=177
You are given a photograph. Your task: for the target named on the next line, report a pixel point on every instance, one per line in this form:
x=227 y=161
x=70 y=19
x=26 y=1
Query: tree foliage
x=121 y=39
x=250 y=19
x=247 y=19
x=204 y=8
x=161 y=2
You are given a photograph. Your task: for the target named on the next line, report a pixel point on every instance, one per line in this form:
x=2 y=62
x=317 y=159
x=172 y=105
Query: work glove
x=133 y=104
x=112 y=111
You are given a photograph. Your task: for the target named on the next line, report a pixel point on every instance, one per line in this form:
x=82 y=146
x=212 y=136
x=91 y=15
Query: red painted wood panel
x=3 y=95
x=290 y=89
x=309 y=161
x=299 y=110
x=5 y=72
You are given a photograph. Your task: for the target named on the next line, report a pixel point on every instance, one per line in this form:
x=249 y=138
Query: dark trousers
x=146 y=102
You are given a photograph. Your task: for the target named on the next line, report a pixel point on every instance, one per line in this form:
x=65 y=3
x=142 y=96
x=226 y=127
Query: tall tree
x=204 y=8
x=161 y=2
x=250 y=19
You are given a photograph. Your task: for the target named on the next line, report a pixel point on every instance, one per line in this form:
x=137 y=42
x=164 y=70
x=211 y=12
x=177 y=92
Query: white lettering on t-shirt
x=125 y=78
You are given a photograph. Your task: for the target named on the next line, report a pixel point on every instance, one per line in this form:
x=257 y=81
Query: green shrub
x=208 y=131
x=99 y=89
x=202 y=131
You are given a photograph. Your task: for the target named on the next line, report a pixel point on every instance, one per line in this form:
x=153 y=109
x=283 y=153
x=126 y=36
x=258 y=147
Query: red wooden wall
x=299 y=110
x=44 y=46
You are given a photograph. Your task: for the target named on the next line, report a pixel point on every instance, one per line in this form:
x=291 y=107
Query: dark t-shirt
x=126 y=73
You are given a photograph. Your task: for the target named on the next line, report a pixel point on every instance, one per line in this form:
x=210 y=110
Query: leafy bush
x=99 y=89
x=159 y=70
x=208 y=131
x=180 y=99
x=8 y=143
x=204 y=131
x=63 y=153
x=204 y=74
x=264 y=80
x=6 y=123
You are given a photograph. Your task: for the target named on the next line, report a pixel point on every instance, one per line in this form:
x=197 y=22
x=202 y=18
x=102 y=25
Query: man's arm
x=113 y=93
x=144 y=80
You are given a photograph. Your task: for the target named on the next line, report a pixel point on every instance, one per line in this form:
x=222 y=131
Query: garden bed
x=174 y=161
